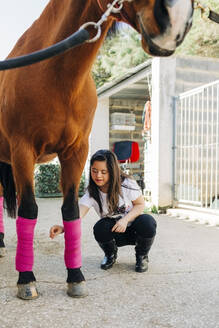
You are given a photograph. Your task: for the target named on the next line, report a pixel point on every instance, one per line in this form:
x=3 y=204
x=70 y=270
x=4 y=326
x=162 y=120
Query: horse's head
x=163 y=24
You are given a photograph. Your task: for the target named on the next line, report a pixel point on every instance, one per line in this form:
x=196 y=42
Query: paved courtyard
x=180 y=290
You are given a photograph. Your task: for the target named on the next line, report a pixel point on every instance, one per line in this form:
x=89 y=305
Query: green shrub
x=47 y=181
x=82 y=188
x=47 y=178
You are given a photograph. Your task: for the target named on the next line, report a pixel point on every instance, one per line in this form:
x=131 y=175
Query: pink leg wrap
x=2 y=229
x=25 y=235
x=72 y=243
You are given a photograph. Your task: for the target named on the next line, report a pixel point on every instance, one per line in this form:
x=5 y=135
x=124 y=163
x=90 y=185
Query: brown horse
x=2 y=230
x=47 y=109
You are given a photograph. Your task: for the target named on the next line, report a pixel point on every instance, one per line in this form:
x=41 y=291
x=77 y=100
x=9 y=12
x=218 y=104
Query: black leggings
x=144 y=225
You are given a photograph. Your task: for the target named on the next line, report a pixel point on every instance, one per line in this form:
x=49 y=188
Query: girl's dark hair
x=116 y=177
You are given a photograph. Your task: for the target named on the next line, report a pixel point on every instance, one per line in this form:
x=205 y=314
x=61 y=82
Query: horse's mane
x=114 y=29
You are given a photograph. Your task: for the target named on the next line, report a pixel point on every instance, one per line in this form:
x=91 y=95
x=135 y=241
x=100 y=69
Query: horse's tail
x=9 y=190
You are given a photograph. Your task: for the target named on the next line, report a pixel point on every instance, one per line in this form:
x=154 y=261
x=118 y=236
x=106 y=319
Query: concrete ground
x=180 y=290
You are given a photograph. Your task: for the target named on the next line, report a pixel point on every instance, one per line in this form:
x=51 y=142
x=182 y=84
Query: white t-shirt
x=130 y=192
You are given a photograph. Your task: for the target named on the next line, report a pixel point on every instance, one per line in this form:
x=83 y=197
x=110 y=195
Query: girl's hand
x=120 y=225
x=55 y=231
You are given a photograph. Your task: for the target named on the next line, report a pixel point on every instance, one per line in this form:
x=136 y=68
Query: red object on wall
x=126 y=151
x=147 y=116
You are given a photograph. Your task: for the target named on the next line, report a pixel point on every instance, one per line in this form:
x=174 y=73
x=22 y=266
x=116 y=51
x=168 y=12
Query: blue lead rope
x=72 y=41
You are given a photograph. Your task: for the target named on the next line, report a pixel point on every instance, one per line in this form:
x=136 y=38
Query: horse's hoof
x=27 y=291
x=77 y=289
x=2 y=251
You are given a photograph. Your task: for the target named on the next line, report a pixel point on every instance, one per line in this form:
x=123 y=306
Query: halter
x=99 y=4
x=115 y=7
x=206 y=11
x=118 y=6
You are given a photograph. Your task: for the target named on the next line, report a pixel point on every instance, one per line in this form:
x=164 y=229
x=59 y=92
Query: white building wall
x=99 y=138
x=163 y=89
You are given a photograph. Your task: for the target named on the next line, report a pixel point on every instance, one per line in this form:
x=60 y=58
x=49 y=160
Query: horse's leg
x=2 y=228
x=72 y=169
x=22 y=160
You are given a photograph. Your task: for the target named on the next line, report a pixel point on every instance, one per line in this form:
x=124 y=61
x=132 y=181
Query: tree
x=203 y=38
x=119 y=52
x=99 y=73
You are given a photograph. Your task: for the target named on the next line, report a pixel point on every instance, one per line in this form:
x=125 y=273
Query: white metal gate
x=196 y=146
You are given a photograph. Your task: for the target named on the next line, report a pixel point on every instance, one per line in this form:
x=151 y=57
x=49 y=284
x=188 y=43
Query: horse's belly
x=46 y=158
